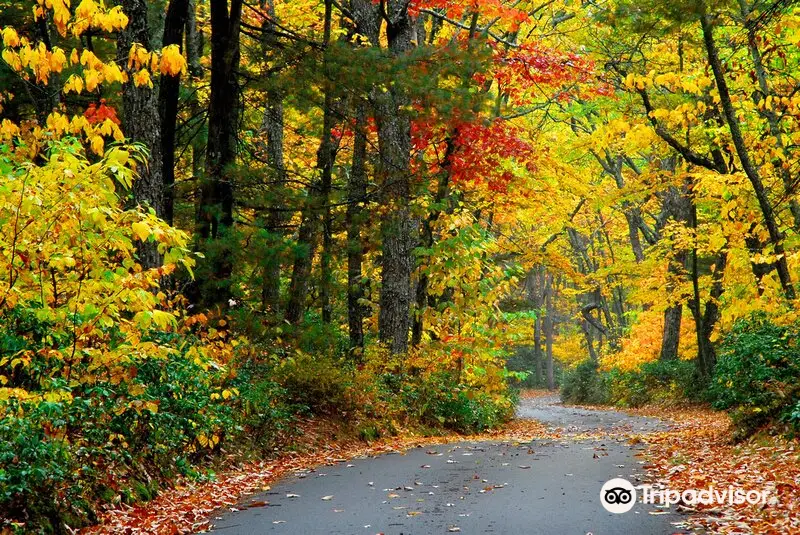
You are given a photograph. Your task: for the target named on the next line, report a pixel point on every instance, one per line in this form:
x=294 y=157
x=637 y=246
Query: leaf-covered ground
x=698 y=453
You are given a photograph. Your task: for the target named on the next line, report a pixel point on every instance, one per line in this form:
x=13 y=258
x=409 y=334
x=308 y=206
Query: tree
x=216 y=201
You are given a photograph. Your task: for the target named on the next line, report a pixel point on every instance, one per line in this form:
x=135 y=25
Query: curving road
x=545 y=486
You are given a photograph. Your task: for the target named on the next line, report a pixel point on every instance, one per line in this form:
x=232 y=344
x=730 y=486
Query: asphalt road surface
x=545 y=486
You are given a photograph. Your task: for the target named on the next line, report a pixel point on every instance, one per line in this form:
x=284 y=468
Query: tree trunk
x=271 y=144
x=272 y=125
x=397 y=228
x=356 y=197
x=677 y=205
x=327 y=159
x=215 y=213
x=772 y=118
x=537 y=349
x=315 y=211
x=169 y=91
x=672 y=332
x=549 y=329
x=141 y=123
x=775 y=234
x=194 y=42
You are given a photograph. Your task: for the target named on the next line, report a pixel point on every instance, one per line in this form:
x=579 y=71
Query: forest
x=220 y=219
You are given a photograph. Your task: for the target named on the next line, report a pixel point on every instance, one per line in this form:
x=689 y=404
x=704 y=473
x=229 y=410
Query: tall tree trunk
x=215 y=213
x=537 y=349
x=397 y=228
x=314 y=211
x=356 y=197
x=772 y=118
x=194 y=41
x=141 y=123
x=326 y=160
x=272 y=137
x=775 y=234
x=676 y=205
x=367 y=21
x=168 y=93
x=549 y=329
x=671 y=334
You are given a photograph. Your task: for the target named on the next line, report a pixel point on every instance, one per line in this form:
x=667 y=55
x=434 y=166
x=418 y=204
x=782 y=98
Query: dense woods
x=217 y=215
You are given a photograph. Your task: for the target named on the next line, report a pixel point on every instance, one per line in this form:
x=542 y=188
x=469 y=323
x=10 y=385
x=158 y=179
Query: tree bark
x=215 y=213
x=356 y=197
x=676 y=205
x=549 y=329
x=537 y=349
x=169 y=91
x=271 y=145
x=397 y=228
x=327 y=160
x=775 y=234
x=315 y=211
x=671 y=334
x=773 y=120
x=141 y=123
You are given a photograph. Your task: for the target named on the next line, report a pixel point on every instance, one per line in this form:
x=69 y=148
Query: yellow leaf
x=172 y=61
x=57 y=60
x=10 y=37
x=97 y=145
x=141 y=230
x=141 y=78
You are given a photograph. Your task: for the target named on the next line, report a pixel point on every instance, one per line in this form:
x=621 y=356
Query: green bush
x=659 y=381
x=67 y=444
x=584 y=384
x=656 y=382
x=440 y=401
x=34 y=466
x=265 y=411
x=320 y=384
x=758 y=374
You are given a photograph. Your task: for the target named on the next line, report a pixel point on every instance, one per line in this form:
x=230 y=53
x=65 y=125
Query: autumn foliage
x=220 y=217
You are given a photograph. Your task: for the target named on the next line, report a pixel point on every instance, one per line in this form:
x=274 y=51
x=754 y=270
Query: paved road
x=545 y=486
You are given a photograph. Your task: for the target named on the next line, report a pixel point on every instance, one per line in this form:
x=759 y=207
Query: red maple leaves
x=97 y=114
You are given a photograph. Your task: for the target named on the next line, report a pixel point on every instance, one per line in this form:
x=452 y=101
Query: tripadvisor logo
x=619 y=496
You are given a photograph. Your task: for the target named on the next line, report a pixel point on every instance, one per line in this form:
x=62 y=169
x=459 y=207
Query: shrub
x=320 y=384
x=265 y=412
x=66 y=444
x=584 y=384
x=758 y=374
x=656 y=382
x=439 y=400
